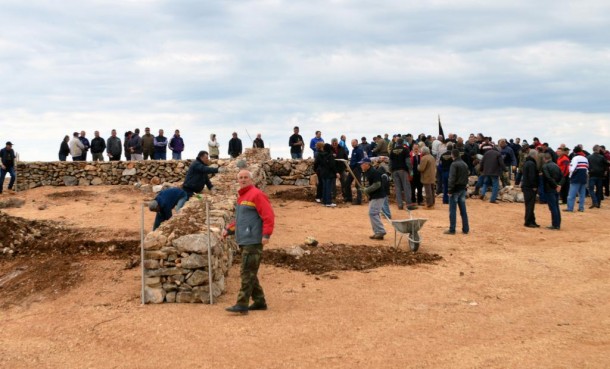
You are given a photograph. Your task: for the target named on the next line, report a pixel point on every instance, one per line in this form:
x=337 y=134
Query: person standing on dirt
x=529 y=187
x=76 y=147
x=7 y=166
x=553 y=180
x=456 y=187
x=135 y=146
x=165 y=202
x=64 y=149
x=86 y=145
x=326 y=168
x=253 y=226
x=98 y=145
x=296 y=144
x=427 y=170
x=148 y=144
x=114 y=148
x=401 y=173
x=357 y=156
x=197 y=176
x=176 y=144
x=235 y=146
x=160 y=143
x=377 y=196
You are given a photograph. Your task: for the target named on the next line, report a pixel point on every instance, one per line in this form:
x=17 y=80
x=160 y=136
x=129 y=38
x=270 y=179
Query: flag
x=440 y=127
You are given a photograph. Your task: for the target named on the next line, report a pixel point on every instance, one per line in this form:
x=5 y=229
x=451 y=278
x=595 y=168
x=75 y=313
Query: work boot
x=411 y=207
x=376 y=236
x=258 y=306
x=450 y=232
x=243 y=310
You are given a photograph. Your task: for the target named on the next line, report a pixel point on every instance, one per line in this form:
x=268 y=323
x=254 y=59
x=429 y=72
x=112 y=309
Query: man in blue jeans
x=7 y=166
x=553 y=180
x=491 y=166
x=457 y=183
x=165 y=202
x=597 y=167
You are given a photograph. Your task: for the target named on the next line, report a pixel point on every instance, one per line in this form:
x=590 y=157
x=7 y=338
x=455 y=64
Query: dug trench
x=41 y=260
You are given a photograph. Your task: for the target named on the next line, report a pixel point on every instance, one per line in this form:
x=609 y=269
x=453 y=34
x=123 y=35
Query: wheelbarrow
x=407 y=227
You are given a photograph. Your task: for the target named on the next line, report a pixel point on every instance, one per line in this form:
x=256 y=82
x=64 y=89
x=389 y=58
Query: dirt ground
x=503 y=296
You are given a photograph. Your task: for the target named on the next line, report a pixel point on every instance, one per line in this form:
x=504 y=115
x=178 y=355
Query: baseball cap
x=9 y=143
x=364 y=160
x=152 y=205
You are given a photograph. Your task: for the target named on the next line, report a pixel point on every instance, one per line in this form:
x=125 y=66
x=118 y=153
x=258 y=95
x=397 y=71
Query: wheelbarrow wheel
x=414 y=241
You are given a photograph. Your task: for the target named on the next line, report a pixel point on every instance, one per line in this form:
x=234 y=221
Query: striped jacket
x=579 y=167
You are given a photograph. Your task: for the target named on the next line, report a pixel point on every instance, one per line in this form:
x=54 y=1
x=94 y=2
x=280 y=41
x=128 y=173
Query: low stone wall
x=289 y=172
x=176 y=253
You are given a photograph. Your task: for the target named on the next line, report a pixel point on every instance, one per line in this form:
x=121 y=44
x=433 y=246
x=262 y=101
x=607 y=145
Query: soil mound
x=332 y=257
x=71 y=194
x=299 y=194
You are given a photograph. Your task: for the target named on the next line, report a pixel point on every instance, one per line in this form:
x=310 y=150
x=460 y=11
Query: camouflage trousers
x=251 y=256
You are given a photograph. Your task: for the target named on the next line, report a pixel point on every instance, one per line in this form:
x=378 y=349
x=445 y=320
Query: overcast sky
x=504 y=68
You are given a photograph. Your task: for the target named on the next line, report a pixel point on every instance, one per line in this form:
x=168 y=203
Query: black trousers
x=529 y=197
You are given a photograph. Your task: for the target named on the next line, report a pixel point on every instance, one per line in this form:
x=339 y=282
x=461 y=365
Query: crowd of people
x=424 y=167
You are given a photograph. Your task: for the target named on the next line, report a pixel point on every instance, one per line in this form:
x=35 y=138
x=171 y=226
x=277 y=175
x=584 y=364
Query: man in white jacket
x=76 y=147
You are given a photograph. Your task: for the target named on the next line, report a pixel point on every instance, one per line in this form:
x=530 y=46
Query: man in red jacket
x=253 y=225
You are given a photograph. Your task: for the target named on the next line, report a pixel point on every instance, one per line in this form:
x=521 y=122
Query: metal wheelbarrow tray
x=409 y=228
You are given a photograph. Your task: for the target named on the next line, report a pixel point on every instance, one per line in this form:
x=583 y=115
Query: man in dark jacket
x=529 y=186
x=491 y=166
x=160 y=143
x=197 y=175
x=400 y=163
x=135 y=146
x=7 y=166
x=377 y=195
x=148 y=144
x=340 y=153
x=98 y=145
x=176 y=144
x=165 y=201
x=86 y=144
x=457 y=183
x=235 y=147
x=597 y=167
x=357 y=156
x=553 y=179
x=114 y=148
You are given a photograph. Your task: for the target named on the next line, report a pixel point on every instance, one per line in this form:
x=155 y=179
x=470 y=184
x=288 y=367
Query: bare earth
x=503 y=296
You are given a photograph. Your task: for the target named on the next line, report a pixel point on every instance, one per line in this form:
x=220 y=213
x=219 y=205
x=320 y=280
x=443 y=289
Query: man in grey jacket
x=491 y=166
x=114 y=148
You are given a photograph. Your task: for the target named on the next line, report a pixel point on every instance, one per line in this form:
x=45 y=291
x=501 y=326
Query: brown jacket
x=427 y=169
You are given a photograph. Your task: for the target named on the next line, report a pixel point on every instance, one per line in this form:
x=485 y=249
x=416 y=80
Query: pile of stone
x=176 y=253
x=289 y=172
x=506 y=194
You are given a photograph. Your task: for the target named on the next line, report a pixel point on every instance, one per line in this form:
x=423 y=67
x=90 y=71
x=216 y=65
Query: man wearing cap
x=7 y=165
x=165 y=201
x=377 y=195
x=197 y=175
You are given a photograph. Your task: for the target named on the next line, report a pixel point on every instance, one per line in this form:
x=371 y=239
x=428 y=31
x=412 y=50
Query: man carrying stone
x=377 y=195
x=165 y=201
x=253 y=226
x=197 y=175
x=456 y=187
x=114 y=148
x=98 y=145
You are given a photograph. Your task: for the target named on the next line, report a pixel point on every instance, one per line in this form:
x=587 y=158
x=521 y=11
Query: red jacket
x=564 y=164
x=254 y=217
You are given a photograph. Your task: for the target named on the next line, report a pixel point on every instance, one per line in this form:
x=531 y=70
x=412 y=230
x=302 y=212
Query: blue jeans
x=541 y=193
x=581 y=190
x=327 y=186
x=375 y=208
x=3 y=173
x=552 y=199
x=595 y=189
x=176 y=155
x=62 y=157
x=445 y=180
x=296 y=155
x=160 y=156
x=458 y=199
x=386 y=208
x=494 y=187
